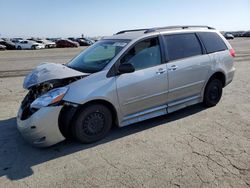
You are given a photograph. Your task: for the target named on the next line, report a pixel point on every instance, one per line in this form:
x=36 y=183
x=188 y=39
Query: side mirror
x=126 y=68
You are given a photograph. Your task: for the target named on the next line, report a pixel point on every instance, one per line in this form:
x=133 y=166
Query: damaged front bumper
x=41 y=128
x=39 y=124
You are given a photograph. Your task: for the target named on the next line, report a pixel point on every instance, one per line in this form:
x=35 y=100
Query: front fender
x=94 y=87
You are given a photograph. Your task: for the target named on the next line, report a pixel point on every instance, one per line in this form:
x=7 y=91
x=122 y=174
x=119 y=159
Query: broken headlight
x=52 y=97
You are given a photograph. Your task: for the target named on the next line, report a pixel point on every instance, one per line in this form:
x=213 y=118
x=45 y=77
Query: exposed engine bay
x=43 y=79
x=40 y=89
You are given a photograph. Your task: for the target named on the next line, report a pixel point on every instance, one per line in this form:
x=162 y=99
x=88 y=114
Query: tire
x=213 y=93
x=19 y=48
x=92 y=123
x=33 y=47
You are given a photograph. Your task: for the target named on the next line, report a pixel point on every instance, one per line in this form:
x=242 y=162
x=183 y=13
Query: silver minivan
x=126 y=78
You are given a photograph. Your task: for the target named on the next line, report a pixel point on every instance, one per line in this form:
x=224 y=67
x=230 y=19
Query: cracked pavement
x=194 y=147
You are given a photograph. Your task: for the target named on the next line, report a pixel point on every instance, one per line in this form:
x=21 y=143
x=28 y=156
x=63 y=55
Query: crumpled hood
x=49 y=71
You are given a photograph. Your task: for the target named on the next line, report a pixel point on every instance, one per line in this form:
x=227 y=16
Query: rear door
x=187 y=66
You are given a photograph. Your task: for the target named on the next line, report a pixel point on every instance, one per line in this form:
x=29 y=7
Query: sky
x=71 y=18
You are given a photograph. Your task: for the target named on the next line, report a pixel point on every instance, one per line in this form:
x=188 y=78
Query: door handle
x=173 y=68
x=161 y=71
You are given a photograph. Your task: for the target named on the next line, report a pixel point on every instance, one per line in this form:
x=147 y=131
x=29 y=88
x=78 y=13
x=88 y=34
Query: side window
x=182 y=45
x=212 y=42
x=144 y=54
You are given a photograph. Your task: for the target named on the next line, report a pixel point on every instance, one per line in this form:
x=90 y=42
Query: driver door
x=143 y=94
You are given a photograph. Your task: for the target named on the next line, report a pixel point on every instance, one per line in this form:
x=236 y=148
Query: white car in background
x=29 y=44
x=46 y=43
x=2 y=47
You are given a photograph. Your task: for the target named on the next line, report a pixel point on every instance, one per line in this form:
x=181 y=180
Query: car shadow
x=17 y=157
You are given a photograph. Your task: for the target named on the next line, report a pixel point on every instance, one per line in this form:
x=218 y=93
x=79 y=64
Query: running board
x=160 y=110
x=144 y=115
x=177 y=105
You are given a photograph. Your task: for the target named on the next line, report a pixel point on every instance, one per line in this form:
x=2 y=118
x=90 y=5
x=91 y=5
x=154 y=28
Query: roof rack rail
x=149 y=30
x=178 y=27
x=132 y=30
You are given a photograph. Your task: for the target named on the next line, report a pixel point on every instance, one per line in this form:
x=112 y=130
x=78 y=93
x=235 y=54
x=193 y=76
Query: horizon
x=102 y=18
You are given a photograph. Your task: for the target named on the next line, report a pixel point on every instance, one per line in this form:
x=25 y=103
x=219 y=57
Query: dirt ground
x=194 y=147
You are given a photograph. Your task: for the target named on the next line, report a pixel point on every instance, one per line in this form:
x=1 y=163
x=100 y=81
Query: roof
x=136 y=33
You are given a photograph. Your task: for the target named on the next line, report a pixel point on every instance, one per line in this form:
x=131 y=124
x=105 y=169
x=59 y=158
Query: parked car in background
x=15 y=40
x=47 y=43
x=9 y=45
x=237 y=33
x=65 y=43
x=89 y=41
x=2 y=47
x=228 y=36
x=246 y=34
x=82 y=41
x=53 y=39
x=29 y=44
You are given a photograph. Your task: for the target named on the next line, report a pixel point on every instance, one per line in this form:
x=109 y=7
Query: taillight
x=232 y=52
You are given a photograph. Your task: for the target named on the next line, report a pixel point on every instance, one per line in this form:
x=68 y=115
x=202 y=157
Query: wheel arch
x=220 y=76
x=68 y=113
x=207 y=101
x=106 y=103
x=33 y=47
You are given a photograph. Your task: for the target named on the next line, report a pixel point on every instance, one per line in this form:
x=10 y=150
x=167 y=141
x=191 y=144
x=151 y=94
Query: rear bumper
x=41 y=128
x=229 y=76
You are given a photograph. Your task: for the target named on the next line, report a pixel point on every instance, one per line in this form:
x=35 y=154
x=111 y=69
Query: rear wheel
x=213 y=92
x=19 y=48
x=33 y=47
x=92 y=123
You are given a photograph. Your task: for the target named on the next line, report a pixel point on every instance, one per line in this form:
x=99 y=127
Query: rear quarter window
x=213 y=42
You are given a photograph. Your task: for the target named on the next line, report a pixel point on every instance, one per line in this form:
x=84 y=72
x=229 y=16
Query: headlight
x=52 y=97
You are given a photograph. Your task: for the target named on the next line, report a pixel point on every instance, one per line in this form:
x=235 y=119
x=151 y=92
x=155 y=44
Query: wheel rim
x=94 y=123
x=214 y=93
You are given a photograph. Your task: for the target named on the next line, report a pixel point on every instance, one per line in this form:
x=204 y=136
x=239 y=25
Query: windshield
x=97 y=56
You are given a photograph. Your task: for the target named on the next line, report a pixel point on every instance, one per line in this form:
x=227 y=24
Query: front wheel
x=213 y=92
x=92 y=123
